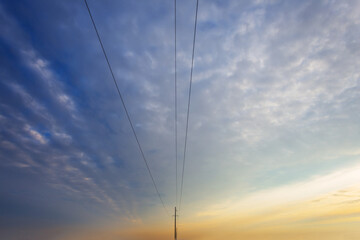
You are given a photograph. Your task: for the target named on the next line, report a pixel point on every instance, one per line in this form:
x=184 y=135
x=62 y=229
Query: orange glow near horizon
x=307 y=210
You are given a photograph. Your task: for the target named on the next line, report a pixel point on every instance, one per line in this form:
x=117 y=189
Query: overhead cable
x=188 y=108
x=176 y=144
x=126 y=111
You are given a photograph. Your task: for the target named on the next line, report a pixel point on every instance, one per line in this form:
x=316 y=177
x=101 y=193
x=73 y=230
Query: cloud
x=35 y=134
x=50 y=81
x=274 y=101
x=288 y=195
x=39 y=107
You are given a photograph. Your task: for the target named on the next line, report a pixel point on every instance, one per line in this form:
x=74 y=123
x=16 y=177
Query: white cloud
x=66 y=138
x=38 y=64
x=66 y=101
x=284 y=195
x=41 y=66
x=265 y=78
x=32 y=103
x=35 y=134
x=274 y=79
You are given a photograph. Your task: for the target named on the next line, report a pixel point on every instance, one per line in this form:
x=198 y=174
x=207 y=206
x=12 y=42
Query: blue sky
x=275 y=101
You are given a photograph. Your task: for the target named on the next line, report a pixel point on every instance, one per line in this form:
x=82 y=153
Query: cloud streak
x=275 y=103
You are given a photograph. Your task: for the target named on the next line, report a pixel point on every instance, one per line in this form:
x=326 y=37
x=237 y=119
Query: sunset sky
x=273 y=147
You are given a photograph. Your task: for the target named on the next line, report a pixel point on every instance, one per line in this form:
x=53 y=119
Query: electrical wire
x=126 y=111
x=188 y=109
x=176 y=144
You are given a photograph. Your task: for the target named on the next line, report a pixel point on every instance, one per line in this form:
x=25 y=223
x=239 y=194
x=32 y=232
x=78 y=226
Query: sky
x=273 y=141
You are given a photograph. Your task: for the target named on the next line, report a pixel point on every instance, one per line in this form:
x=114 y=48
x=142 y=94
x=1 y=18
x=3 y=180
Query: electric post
x=175 y=228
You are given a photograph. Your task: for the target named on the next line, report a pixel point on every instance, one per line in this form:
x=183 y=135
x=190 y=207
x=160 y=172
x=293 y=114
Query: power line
x=188 y=109
x=126 y=111
x=176 y=149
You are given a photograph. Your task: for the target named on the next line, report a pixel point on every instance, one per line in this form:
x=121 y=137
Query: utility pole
x=175 y=228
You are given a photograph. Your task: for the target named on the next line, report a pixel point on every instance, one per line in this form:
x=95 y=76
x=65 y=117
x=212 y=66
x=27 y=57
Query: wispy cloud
x=275 y=102
x=318 y=187
x=35 y=134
